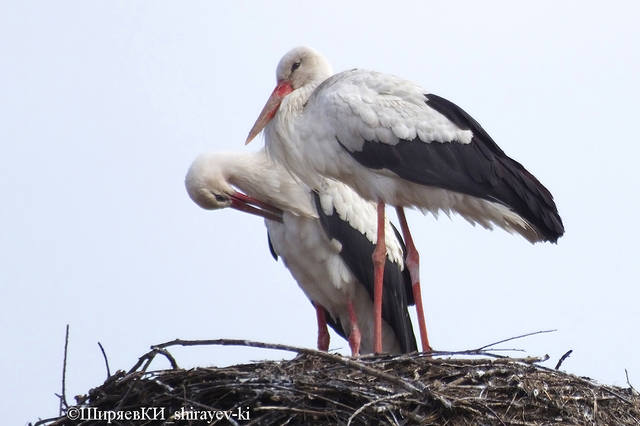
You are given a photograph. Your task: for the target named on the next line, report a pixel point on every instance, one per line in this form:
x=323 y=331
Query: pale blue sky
x=104 y=104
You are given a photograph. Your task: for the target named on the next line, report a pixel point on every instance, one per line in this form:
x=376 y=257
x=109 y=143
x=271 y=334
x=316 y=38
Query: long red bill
x=270 y=108
x=248 y=204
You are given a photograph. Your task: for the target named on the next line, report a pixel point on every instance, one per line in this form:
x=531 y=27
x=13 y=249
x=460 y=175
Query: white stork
x=396 y=143
x=325 y=238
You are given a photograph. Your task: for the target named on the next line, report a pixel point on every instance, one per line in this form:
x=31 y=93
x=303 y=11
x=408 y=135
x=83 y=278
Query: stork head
x=208 y=185
x=300 y=67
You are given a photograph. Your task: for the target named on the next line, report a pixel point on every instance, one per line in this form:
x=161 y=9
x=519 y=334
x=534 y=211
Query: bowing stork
x=325 y=238
x=396 y=143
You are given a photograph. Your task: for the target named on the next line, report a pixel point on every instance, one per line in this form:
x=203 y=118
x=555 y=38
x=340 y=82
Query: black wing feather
x=336 y=325
x=271 y=249
x=356 y=253
x=479 y=168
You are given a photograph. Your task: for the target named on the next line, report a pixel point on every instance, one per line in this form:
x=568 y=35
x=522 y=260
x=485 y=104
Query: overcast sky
x=104 y=104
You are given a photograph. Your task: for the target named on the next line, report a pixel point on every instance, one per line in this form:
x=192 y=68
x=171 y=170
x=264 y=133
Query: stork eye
x=295 y=66
x=220 y=198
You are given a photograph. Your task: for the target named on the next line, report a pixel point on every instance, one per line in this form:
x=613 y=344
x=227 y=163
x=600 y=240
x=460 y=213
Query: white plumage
x=312 y=257
x=396 y=143
x=320 y=123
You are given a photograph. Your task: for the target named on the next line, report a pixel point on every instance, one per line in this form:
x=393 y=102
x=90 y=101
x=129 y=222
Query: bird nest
x=319 y=388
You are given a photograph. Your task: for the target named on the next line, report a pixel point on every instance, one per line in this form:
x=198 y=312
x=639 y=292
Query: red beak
x=247 y=204
x=270 y=108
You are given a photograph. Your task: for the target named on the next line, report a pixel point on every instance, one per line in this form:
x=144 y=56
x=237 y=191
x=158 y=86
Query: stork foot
x=417 y=297
x=413 y=265
x=379 y=258
x=354 y=335
x=323 y=332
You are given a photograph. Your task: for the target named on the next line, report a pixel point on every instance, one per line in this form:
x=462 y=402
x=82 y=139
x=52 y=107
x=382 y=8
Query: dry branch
x=317 y=388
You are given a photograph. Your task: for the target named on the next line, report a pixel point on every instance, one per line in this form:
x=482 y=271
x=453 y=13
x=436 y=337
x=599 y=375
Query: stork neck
x=257 y=176
x=244 y=169
x=294 y=102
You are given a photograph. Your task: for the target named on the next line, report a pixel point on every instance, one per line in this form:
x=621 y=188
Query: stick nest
x=317 y=388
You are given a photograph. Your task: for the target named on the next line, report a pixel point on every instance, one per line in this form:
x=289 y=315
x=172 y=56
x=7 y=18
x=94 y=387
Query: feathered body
x=325 y=239
x=393 y=141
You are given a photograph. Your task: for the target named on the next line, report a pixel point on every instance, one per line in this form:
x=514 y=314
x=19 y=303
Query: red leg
x=379 y=258
x=323 y=332
x=354 y=335
x=413 y=263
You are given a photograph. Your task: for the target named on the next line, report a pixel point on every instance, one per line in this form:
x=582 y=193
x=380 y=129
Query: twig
x=474 y=352
x=412 y=386
x=62 y=396
x=45 y=421
x=292 y=409
x=491 y=410
x=562 y=358
x=144 y=357
x=148 y=357
x=106 y=361
x=514 y=338
x=375 y=401
x=629 y=383
x=616 y=394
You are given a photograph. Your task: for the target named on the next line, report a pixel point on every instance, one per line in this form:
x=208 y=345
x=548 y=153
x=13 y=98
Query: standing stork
x=396 y=143
x=325 y=238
